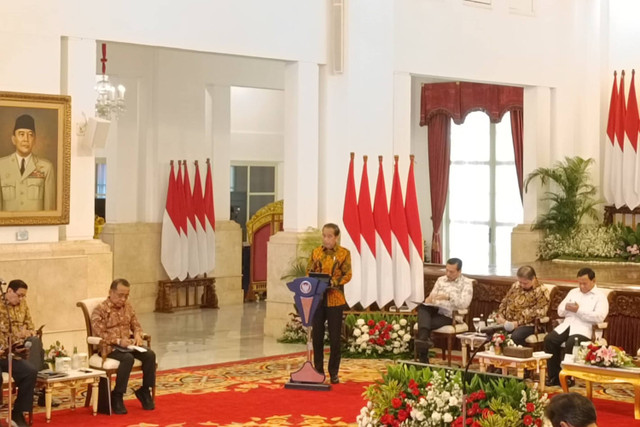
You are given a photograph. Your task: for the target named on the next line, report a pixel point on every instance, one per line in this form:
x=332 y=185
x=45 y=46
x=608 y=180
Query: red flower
x=530 y=407
x=382 y=323
x=396 y=402
x=415 y=392
x=481 y=394
x=527 y=420
x=402 y=415
x=486 y=413
x=371 y=323
x=538 y=422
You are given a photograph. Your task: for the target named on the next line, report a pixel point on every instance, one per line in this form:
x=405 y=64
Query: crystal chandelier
x=110 y=102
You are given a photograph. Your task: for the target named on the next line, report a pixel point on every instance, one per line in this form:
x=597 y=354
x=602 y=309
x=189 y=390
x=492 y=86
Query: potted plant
x=572 y=196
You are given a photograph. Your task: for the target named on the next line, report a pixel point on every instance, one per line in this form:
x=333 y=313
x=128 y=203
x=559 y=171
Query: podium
x=308 y=294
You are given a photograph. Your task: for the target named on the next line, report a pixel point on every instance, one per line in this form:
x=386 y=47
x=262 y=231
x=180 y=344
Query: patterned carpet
x=262 y=381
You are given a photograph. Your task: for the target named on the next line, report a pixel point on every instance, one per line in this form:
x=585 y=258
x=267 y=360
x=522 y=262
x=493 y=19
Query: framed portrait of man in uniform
x=35 y=158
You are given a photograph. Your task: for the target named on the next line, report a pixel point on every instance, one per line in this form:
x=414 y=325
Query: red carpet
x=251 y=393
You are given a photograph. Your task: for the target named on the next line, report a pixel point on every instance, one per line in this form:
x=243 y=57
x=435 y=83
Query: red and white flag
x=210 y=226
x=400 y=254
x=610 y=145
x=171 y=247
x=182 y=217
x=193 y=267
x=630 y=155
x=368 y=242
x=384 y=264
x=201 y=221
x=416 y=246
x=618 y=153
x=351 y=239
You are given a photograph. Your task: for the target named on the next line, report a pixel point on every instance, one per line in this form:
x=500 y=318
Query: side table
x=469 y=340
x=73 y=380
x=537 y=362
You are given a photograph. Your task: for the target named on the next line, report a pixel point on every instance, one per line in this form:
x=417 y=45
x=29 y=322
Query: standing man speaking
x=27 y=182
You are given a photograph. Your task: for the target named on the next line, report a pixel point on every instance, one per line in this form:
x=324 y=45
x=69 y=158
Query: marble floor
x=197 y=337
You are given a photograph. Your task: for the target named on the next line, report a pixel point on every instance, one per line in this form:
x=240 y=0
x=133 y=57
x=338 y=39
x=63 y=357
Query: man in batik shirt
x=115 y=321
x=334 y=260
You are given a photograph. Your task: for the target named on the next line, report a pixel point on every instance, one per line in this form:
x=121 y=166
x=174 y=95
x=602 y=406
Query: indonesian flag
x=171 y=248
x=618 y=153
x=384 y=264
x=210 y=225
x=416 y=247
x=197 y=202
x=182 y=217
x=630 y=155
x=400 y=248
x=351 y=239
x=368 y=242
x=610 y=145
x=193 y=267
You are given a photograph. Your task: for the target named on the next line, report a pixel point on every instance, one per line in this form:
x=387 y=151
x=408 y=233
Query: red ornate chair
x=266 y=222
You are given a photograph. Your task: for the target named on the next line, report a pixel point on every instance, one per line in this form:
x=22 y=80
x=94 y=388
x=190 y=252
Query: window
x=252 y=187
x=101 y=179
x=483 y=204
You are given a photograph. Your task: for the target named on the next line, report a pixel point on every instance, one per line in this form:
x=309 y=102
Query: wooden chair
x=97 y=358
x=266 y=222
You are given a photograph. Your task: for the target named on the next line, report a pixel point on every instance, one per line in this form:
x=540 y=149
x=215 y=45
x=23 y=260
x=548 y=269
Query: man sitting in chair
x=14 y=312
x=582 y=308
x=116 y=323
x=451 y=292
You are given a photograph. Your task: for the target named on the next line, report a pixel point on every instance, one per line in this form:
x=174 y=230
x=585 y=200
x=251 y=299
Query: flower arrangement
x=409 y=396
x=294 y=332
x=628 y=244
x=378 y=335
x=55 y=350
x=604 y=355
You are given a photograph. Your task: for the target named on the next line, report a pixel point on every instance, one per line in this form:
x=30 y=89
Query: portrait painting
x=35 y=158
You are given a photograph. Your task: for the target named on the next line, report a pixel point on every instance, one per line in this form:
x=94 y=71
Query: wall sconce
x=110 y=103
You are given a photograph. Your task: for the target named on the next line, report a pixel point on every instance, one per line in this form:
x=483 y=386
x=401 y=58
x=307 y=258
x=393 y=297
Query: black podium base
x=308 y=386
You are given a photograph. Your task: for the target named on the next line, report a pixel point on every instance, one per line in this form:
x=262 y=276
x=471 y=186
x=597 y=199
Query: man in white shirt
x=451 y=292
x=582 y=308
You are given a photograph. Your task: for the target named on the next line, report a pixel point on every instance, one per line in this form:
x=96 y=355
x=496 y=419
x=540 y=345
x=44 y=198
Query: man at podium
x=334 y=260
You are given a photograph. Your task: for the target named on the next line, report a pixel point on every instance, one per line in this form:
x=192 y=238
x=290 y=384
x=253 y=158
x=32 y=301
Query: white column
x=402 y=121
x=301 y=146
x=218 y=131
x=78 y=74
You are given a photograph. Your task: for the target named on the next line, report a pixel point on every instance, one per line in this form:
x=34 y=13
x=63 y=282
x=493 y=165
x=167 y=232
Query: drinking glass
x=476 y=323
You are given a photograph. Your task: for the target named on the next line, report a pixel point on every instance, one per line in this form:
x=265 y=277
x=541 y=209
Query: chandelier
x=110 y=102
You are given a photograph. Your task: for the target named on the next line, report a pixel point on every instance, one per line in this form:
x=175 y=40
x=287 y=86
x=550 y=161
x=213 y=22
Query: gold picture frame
x=37 y=127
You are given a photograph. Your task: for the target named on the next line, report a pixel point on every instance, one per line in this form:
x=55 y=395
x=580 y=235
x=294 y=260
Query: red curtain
x=443 y=102
x=516 y=134
x=439 y=149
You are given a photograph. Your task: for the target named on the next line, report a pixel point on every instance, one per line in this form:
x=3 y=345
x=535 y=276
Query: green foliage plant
x=298 y=267
x=628 y=243
x=571 y=195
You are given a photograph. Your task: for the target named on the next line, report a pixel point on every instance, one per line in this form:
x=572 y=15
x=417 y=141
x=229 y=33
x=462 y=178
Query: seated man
x=571 y=410
x=451 y=292
x=582 y=308
x=116 y=323
x=14 y=318
x=525 y=302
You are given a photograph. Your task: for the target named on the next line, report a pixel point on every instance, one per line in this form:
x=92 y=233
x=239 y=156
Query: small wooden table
x=469 y=340
x=598 y=374
x=537 y=362
x=73 y=379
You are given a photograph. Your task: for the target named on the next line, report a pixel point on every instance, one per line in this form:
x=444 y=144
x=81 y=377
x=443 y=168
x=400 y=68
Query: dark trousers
x=36 y=353
x=428 y=320
x=520 y=334
x=126 y=360
x=24 y=375
x=333 y=316
x=552 y=345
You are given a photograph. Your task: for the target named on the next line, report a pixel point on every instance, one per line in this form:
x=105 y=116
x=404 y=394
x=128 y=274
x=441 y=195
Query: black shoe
x=552 y=382
x=117 y=404
x=423 y=357
x=18 y=418
x=335 y=379
x=570 y=382
x=144 y=397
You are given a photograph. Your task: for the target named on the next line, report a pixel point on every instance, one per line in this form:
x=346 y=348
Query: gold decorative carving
x=271 y=213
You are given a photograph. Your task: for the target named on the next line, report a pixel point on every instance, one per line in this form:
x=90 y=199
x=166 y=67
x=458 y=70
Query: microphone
x=490 y=330
x=28 y=344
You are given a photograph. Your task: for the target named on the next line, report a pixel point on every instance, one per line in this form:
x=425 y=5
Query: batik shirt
x=524 y=306
x=459 y=292
x=112 y=323
x=337 y=263
x=20 y=320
